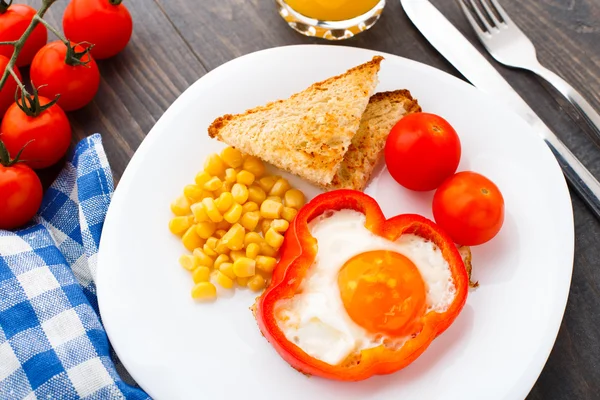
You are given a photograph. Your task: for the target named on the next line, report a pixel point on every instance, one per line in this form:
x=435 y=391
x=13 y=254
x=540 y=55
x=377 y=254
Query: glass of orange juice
x=330 y=19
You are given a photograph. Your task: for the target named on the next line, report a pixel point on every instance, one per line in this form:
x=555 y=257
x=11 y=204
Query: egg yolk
x=383 y=292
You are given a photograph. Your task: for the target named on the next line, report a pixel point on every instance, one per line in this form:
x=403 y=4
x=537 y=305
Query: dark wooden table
x=175 y=42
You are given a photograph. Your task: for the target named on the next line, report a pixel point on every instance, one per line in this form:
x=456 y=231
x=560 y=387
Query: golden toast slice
x=385 y=109
x=308 y=133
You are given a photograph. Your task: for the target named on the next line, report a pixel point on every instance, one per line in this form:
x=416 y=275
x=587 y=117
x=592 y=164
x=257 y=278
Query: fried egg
x=362 y=290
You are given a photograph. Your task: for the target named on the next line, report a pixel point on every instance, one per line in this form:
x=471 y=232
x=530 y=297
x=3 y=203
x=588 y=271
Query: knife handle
x=580 y=178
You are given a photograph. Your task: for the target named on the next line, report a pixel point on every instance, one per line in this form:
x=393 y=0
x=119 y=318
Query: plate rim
x=136 y=160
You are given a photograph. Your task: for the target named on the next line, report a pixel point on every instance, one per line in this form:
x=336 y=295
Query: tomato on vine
x=106 y=24
x=7 y=93
x=20 y=191
x=41 y=125
x=14 y=20
x=68 y=71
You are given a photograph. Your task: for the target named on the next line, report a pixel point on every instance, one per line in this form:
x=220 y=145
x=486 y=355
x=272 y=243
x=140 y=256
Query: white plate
x=178 y=349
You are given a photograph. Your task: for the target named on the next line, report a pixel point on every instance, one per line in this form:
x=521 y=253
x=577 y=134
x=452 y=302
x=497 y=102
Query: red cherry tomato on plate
x=47 y=135
x=421 y=151
x=7 y=94
x=13 y=22
x=20 y=195
x=77 y=82
x=469 y=207
x=106 y=24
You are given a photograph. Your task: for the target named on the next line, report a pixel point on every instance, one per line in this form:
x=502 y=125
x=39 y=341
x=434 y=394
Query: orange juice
x=332 y=10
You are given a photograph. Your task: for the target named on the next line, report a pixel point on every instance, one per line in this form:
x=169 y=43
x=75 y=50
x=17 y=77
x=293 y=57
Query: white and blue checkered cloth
x=52 y=342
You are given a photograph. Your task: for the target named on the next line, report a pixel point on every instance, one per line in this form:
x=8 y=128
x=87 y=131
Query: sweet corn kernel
x=252 y=250
x=222 y=258
x=265 y=263
x=289 y=213
x=222 y=248
x=211 y=242
x=201 y=178
x=245 y=177
x=213 y=184
x=254 y=165
x=265 y=225
x=178 y=225
x=273 y=238
x=193 y=193
x=294 y=198
x=256 y=194
x=243 y=282
x=267 y=250
x=280 y=225
x=181 y=206
x=224 y=280
x=232 y=157
x=205 y=229
x=199 y=212
x=188 y=262
x=225 y=188
x=280 y=187
x=224 y=202
x=191 y=240
x=256 y=283
x=220 y=233
x=203 y=259
x=252 y=237
x=227 y=269
x=233 y=215
x=201 y=274
x=240 y=193
x=211 y=210
x=249 y=206
x=230 y=175
x=244 y=267
x=250 y=220
x=235 y=254
x=208 y=251
x=267 y=182
x=204 y=291
x=271 y=209
x=275 y=198
x=234 y=238
x=215 y=166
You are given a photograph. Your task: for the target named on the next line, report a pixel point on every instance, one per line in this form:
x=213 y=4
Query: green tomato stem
x=21 y=41
x=4 y=5
x=115 y=2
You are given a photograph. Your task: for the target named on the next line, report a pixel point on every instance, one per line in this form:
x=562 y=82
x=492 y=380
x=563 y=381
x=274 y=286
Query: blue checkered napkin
x=52 y=343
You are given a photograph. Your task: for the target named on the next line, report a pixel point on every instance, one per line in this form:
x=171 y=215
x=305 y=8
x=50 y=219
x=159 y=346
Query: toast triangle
x=308 y=133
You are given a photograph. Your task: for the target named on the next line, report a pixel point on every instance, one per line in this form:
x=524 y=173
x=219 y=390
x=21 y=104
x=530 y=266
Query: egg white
x=315 y=318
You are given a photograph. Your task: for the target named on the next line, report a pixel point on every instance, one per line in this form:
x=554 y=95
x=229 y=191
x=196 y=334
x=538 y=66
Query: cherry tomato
x=13 y=23
x=421 y=151
x=106 y=24
x=7 y=94
x=47 y=135
x=77 y=84
x=20 y=195
x=469 y=207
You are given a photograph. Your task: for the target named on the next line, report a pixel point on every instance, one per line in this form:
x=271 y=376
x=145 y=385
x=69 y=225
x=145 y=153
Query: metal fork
x=510 y=46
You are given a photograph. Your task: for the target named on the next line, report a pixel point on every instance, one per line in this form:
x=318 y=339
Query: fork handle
x=581 y=105
x=580 y=178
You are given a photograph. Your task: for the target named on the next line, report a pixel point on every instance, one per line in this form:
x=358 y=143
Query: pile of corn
x=232 y=221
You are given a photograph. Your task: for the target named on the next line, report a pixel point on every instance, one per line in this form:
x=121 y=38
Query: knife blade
x=449 y=42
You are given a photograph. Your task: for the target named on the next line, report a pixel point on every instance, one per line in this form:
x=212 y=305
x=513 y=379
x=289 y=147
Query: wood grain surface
x=175 y=42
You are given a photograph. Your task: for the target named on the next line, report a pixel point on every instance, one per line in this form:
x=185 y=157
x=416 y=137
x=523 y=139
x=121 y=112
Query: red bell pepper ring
x=298 y=254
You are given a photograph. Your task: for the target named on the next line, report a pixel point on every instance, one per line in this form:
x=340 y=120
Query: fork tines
x=485 y=14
